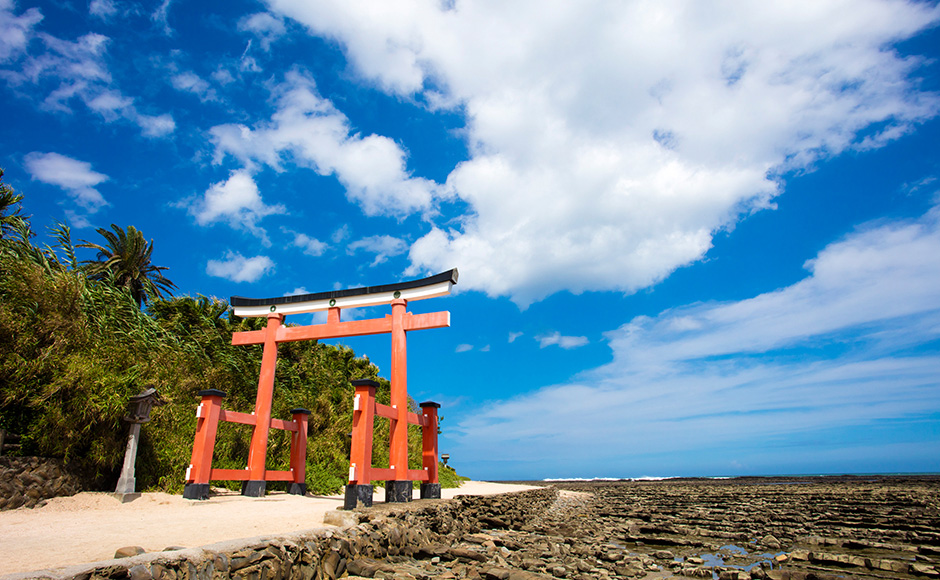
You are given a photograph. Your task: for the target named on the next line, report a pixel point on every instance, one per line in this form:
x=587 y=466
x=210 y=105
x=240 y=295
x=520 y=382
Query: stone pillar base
x=297 y=489
x=398 y=491
x=357 y=496
x=430 y=491
x=125 y=497
x=196 y=491
x=254 y=488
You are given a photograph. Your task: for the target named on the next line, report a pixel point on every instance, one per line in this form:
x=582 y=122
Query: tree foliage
x=74 y=348
x=124 y=261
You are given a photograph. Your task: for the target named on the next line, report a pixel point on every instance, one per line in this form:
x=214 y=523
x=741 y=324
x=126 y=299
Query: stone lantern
x=138 y=412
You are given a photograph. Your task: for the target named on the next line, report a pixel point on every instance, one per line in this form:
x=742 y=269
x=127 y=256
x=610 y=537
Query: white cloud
x=610 y=141
x=161 y=15
x=311 y=246
x=76 y=177
x=190 y=82
x=514 y=335
x=463 y=348
x=103 y=9
x=565 y=342
x=341 y=233
x=235 y=201
x=238 y=268
x=266 y=28
x=77 y=70
x=383 y=247
x=15 y=31
x=847 y=347
x=155 y=126
x=309 y=131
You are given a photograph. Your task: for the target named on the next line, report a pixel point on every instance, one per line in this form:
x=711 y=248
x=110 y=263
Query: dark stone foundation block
x=297 y=489
x=398 y=491
x=430 y=491
x=196 y=491
x=254 y=488
x=357 y=496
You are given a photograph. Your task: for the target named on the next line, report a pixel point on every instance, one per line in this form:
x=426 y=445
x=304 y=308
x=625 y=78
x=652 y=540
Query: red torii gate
x=255 y=476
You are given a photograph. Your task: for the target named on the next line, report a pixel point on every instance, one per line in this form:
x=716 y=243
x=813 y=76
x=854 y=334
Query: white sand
x=89 y=527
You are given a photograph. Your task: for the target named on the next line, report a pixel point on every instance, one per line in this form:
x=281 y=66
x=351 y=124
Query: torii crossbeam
x=398 y=323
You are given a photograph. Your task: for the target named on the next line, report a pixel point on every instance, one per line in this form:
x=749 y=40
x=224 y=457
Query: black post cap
x=364 y=383
x=430 y=404
x=211 y=393
x=299 y=411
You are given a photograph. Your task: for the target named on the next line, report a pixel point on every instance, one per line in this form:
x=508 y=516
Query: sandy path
x=89 y=527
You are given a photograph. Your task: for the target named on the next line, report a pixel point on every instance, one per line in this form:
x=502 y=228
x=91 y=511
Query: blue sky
x=693 y=238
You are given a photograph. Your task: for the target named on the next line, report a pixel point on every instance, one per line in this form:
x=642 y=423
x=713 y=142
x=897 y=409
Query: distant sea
x=777 y=475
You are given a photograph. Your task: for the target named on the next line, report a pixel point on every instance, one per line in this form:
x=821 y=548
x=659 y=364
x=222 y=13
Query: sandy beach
x=89 y=527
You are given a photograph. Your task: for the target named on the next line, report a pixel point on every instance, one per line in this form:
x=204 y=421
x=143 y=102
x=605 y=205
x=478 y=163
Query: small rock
x=924 y=570
x=770 y=542
x=140 y=573
x=128 y=551
x=341 y=519
x=663 y=555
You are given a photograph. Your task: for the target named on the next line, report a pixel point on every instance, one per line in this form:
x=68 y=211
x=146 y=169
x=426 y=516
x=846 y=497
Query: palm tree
x=11 y=221
x=125 y=262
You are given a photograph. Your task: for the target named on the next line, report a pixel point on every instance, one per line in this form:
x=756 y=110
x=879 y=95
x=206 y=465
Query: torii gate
x=400 y=321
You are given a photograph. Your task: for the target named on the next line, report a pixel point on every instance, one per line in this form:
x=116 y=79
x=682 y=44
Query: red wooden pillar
x=399 y=489
x=431 y=489
x=298 y=452
x=257 y=454
x=207 y=426
x=359 y=489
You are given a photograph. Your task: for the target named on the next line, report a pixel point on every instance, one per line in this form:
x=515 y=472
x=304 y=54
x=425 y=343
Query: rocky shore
x=736 y=529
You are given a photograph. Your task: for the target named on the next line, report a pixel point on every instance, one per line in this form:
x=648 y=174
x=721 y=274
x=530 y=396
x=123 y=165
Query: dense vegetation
x=77 y=339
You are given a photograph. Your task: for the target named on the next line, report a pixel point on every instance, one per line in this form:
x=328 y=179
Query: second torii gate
x=397 y=324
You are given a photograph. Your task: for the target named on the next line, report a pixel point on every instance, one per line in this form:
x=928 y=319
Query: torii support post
x=258 y=452
x=359 y=490
x=399 y=488
x=207 y=426
x=298 y=453
x=431 y=489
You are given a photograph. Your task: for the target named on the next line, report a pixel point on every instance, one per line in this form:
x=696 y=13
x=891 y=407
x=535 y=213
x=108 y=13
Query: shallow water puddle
x=717 y=559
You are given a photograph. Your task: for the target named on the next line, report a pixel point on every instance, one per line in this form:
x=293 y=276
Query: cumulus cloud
x=235 y=201
x=15 y=31
x=844 y=348
x=190 y=82
x=103 y=9
x=383 y=247
x=75 y=177
x=311 y=246
x=65 y=71
x=309 y=131
x=238 y=268
x=265 y=27
x=609 y=142
x=557 y=339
